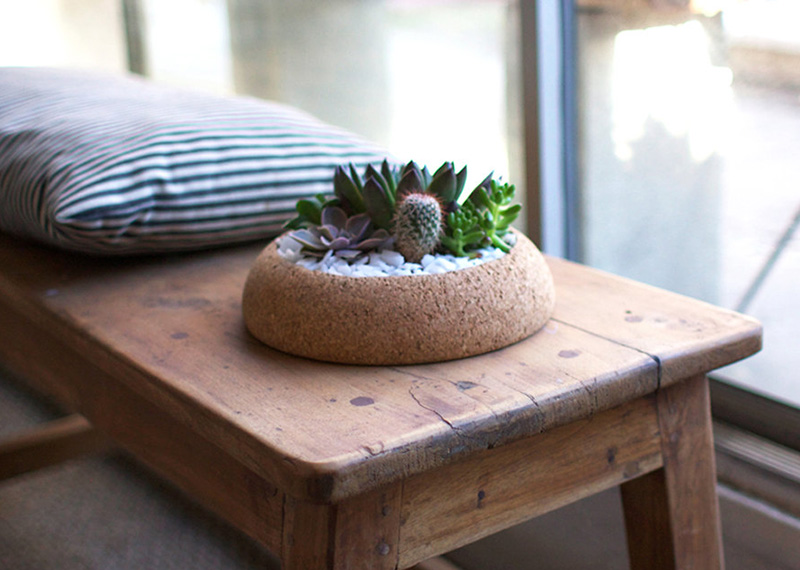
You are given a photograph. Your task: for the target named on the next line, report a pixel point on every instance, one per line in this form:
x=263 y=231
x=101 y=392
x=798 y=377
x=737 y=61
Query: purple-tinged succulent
x=347 y=237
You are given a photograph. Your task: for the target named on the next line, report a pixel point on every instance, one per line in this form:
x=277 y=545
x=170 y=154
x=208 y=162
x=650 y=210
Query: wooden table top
x=171 y=329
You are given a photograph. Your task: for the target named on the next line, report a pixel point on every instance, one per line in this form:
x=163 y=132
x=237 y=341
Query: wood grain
x=647 y=524
x=49 y=444
x=685 y=336
x=672 y=518
x=498 y=488
x=339 y=466
x=357 y=534
x=201 y=469
x=171 y=330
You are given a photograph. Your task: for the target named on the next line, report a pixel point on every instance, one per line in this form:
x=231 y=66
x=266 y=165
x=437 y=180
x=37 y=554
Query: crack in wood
x=655 y=358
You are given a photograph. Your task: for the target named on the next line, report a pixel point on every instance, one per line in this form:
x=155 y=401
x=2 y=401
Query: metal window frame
x=547 y=43
x=758 y=440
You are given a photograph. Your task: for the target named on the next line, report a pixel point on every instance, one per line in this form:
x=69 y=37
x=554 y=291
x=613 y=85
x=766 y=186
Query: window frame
x=552 y=146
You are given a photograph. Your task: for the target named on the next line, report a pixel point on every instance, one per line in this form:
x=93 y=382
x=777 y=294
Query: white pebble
x=385 y=263
x=392 y=258
x=375 y=260
x=435 y=268
x=427 y=259
x=309 y=263
x=328 y=259
x=289 y=244
x=345 y=270
x=367 y=271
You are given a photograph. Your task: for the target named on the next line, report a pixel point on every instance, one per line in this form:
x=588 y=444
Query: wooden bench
x=336 y=467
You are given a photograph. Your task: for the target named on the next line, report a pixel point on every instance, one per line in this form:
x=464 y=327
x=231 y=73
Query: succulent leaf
x=461 y=181
x=355 y=177
x=379 y=239
x=377 y=203
x=426 y=177
x=333 y=216
x=309 y=210
x=358 y=226
x=382 y=181
x=348 y=190
x=309 y=239
x=411 y=165
x=391 y=177
x=443 y=183
x=410 y=182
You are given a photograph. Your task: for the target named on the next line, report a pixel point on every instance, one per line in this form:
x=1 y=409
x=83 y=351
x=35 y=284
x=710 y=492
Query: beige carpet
x=105 y=512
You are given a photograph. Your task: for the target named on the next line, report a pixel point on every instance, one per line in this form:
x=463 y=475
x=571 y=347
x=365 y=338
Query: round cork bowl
x=407 y=319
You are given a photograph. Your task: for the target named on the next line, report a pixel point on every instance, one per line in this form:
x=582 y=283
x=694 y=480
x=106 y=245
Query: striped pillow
x=112 y=165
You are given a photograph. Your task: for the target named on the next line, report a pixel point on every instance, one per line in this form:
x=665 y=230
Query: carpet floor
x=105 y=512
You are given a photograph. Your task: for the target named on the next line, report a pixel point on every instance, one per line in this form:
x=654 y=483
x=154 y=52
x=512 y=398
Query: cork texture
x=400 y=319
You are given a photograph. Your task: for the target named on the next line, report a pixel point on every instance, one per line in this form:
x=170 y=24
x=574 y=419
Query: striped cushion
x=112 y=165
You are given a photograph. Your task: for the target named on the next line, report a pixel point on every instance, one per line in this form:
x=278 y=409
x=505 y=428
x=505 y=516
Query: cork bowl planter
x=396 y=320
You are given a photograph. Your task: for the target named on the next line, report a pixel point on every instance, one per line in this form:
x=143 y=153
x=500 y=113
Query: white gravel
x=384 y=263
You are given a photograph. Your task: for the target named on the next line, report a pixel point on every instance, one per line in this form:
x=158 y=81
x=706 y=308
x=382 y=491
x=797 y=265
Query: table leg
x=358 y=534
x=672 y=514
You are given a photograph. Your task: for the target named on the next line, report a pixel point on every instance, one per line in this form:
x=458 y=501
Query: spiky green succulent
x=465 y=221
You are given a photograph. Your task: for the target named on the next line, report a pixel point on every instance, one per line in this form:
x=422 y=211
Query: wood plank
x=647 y=525
x=498 y=488
x=170 y=329
x=307 y=535
x=368 y=530
x=358 y=534
x=673 y=518
x=686 y=336
x=203 y=470
x=51 y=443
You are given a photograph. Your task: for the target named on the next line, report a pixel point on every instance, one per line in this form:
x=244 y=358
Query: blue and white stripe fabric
x=117 y=165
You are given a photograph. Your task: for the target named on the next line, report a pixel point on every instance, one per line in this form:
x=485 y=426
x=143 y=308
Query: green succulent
x=463 y=230
x=461 y=223
x=495 y=211
x=309 y=212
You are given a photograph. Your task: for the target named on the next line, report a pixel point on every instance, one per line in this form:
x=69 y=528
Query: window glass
x=689 y=178
x=432 y=81
x=65 y=33
x=429 y=80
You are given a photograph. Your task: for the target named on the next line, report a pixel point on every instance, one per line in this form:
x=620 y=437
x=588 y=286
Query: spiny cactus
x=417 y=225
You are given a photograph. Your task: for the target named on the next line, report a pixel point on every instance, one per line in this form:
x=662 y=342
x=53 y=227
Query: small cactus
x=417 y=225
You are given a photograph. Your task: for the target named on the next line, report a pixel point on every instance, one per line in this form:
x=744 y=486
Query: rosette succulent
x=347 y=237
x=418 y=211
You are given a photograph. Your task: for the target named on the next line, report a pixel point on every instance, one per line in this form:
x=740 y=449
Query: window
x=669 y=129
x=688 y=128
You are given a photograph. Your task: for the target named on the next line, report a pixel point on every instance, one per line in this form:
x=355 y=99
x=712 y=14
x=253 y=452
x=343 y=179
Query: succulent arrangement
x=407 y=208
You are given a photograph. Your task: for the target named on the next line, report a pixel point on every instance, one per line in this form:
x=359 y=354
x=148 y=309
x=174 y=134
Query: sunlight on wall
x=188 y=44
x=74 y=33
x=664 y=74
x=448 y=96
